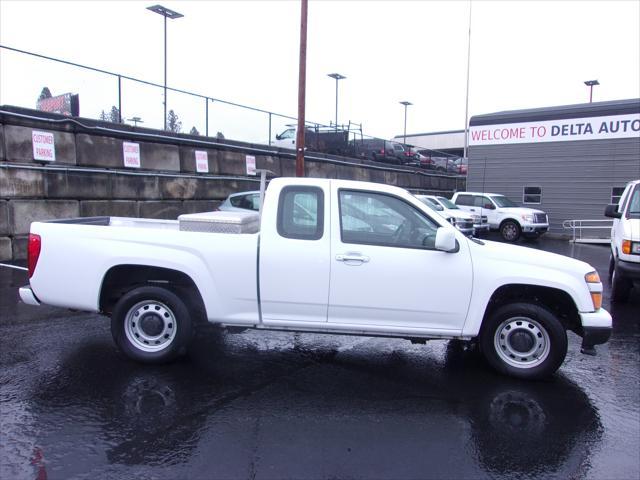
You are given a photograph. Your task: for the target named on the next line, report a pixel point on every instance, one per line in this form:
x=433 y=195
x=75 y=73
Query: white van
x=624 y=264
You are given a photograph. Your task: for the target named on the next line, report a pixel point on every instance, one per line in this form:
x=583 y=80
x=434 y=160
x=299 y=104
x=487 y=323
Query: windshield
x=503 y=201
x=448 y=203
x=634 y=204
x=431 y=203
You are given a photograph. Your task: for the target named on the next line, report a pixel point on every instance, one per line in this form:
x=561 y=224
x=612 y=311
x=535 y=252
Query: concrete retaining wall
x=88 y=177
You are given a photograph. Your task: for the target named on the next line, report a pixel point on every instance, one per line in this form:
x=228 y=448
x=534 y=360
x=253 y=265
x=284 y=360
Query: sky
x=523 y=55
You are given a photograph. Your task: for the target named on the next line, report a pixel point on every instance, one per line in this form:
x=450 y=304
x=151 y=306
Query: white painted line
x=13 y=266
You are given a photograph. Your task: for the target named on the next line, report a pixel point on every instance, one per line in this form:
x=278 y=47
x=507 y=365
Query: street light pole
x=166 y=13
x=337 y=76
x=590 y=84
x=406 y=104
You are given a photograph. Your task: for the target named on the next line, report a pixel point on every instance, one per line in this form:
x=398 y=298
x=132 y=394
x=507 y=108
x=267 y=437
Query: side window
x=301 y=213
x=466 y=200
x=532 y=195
x=372 y=218
x=482 y=202
x=616 y=193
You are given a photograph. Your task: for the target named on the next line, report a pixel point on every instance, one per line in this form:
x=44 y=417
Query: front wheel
x=620 y=288
x=510 y=231
x=151 y=325
x=524 y=340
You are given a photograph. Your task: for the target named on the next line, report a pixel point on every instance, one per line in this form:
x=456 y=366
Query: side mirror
x=611 y=211
x=446 y=240
x=439 y=208
x=278 y=137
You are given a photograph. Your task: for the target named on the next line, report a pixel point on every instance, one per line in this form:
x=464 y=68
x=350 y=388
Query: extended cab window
x=377 y=219
x=301 y=213
x=464 y=200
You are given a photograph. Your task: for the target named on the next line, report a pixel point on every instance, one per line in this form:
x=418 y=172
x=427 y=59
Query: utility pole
x=302 y=80
x=466 y=110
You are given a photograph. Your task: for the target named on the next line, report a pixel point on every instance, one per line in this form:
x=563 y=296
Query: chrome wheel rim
x=522 y=342
x=510 y=231
x=150 y=326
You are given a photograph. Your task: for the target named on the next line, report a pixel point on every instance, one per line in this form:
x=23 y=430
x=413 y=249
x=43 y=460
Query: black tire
x=620 y=288
x=612 y=265
x=510 y=230
x=151 y=325
x=537 y=351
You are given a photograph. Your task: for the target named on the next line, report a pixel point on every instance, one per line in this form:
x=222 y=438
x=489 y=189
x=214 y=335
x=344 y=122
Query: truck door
x=385 y=271
x=485 y=206
x=294 y=255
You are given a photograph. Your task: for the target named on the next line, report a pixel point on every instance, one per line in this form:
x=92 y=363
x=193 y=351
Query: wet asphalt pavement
x=279 y=405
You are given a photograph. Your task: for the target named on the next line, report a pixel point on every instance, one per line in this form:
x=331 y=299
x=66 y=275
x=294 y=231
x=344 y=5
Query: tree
x=45 y=93
x=194 y=131
x=103 y=116
x=220 y=135
x=173 y=122
x=114 y=115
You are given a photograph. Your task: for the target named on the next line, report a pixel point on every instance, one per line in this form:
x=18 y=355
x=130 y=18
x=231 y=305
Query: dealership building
x=569 y=161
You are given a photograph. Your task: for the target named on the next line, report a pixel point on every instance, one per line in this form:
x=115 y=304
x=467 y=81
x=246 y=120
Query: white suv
x=504 y=215
x=624 y=265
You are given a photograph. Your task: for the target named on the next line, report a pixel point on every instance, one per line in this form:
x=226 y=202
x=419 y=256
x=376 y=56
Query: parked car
x=504 y=215
x=241 y=201
x=380 y=150
x=624 y=263
x=417 y=159
x=480 y=222
x=400 y=271
x=456 y=217
x=459 y=166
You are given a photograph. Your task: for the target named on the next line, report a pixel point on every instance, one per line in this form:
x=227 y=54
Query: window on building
x=532 y=195
x=616 y=193
x=301 y=213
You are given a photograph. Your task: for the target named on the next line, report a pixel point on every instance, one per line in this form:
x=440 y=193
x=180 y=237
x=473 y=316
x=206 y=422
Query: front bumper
x=535 y=228
x=27 y=296
x=630 y=270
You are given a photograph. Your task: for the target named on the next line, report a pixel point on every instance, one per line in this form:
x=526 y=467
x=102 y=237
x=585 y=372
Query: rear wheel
x=524 y=340
x=151 y=325
x=510 y=231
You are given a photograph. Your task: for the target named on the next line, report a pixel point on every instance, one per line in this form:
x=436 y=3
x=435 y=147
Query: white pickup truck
x=328 y=256
x=504 y=215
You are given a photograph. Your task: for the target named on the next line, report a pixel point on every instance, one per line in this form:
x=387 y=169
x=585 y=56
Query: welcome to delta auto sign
x=566 y=130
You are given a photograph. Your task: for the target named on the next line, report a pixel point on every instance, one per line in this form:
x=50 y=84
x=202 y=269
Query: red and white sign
x=202 y=162
x=567 y=130
x=44 y=147
x=131 y=153
x=251 y=165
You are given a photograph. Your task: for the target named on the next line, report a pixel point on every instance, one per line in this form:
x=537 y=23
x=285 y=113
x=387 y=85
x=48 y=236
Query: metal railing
x=578 y=226
x=137 y=98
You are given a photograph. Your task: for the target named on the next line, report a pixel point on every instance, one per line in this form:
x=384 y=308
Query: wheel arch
x=120 y=279
x=557 y=301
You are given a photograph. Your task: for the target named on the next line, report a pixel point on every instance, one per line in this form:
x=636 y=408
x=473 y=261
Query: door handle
x=351 y=257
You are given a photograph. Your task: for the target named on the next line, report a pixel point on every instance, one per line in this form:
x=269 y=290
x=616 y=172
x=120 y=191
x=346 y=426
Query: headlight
x=630 y=248
x=528 y=218
x=596 y=297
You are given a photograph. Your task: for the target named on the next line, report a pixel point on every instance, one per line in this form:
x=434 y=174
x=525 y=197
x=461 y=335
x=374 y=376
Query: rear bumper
x=630 y=270
x=27 y=296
